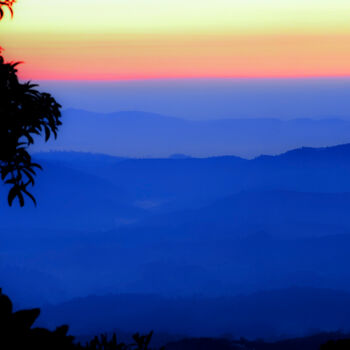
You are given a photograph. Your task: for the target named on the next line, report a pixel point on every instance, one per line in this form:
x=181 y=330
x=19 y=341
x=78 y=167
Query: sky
x=158 y=39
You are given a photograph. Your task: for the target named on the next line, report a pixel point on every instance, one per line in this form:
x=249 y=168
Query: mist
x=202 y=99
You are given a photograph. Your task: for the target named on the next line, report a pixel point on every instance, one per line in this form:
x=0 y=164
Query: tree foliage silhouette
x=17 y=332
x=25 y=113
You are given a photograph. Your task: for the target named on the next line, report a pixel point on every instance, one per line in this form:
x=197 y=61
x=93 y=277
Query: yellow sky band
x=157 y=38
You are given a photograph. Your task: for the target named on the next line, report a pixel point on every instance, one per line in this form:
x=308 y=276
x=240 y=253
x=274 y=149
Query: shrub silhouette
x=16 y=332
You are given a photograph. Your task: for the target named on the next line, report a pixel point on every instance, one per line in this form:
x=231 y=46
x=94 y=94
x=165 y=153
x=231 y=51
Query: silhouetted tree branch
x=24 y=113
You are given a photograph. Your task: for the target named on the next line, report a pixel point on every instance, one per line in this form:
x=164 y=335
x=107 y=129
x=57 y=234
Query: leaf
x=20 y=198
x=12 y=195
x=25 y=318
x=36 y=165
x=24 y=190
x=10 y=181
x=47 y=133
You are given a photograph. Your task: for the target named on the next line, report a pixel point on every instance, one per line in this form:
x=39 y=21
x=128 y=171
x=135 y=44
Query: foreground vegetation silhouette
x=341 y=344
x=16 y=332
x=25 y=113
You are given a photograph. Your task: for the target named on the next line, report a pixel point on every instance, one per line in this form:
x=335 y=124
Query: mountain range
x=140 y=134
x=181 y=227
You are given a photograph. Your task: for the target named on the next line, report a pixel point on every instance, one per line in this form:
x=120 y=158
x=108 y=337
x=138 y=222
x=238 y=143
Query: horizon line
x=184 y=78
x=188 y=156
x=318 y=118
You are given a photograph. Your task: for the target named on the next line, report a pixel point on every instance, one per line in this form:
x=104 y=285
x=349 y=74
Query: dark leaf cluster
x=24 y=114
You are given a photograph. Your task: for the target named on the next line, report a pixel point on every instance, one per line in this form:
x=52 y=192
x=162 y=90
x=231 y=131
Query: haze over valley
x=221 y=227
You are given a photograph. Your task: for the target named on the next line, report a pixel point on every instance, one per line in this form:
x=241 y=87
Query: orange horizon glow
x=157 y=57
x=266 y=39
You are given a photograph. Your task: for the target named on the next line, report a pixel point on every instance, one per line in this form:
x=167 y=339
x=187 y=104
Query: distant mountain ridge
x=141 y=134
x=329 y=153
x=133 y=189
